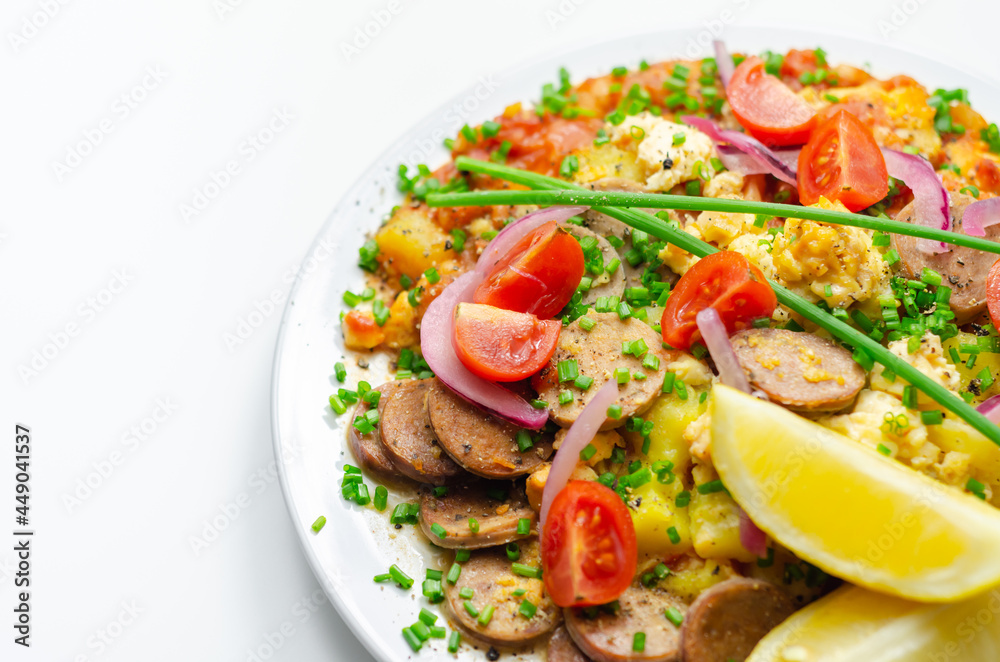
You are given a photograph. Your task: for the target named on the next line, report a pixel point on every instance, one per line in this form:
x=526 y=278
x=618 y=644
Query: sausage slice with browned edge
x=728 y=619
x=497 y=508
x=962 y=269
x=608 y=636
x=489 y=576
x=597 y=353
x=409 y=439
x=368 y=449
x=563 y=649
x=479 y=442
x=797 y=369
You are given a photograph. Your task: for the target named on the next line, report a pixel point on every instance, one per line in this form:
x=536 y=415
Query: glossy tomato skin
x=725 y=281
x=766 y=107
x=993 y=293
x=589 y=551
x=539 y=275
x=842 y=162
x=502 y=345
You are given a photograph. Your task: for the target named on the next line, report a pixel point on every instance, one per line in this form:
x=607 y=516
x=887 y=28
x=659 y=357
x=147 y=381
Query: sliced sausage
x=488 y=575
x=598 y=353
x=615 y=284
x=608 y=637
x=962 y=269
x=479 y=442
x=798 y=369
x=368 y=449
x=497 y=519
x=563 y=649
x=727 y=620
x=409 y=439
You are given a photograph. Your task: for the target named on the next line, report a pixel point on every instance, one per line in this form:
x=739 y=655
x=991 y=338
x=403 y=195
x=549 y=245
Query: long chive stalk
x=661 y=230
x=696 y=203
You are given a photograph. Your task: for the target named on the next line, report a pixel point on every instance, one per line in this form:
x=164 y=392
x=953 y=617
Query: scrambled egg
x=666 y=164
x=929 y=359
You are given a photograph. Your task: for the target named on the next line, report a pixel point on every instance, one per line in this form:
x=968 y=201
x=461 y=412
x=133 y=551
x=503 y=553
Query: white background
x=98 y=259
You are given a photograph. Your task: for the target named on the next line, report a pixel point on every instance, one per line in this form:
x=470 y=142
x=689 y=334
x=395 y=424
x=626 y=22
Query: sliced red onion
x=436 y=330
x=764 y=156
x=990 y=408
x=980 y=215
x=514 y=232
x=581 y=433
x=723 y=62
x=745 y=164
x=716 y=338
x=751 y=537
x=930 y=198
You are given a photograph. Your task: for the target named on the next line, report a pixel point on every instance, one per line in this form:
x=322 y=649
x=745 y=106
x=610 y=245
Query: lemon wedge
x=847 y=509
x=854 y=624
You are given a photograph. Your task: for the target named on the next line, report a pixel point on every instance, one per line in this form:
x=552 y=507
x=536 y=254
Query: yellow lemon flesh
x=854 y=624
x=849 y=510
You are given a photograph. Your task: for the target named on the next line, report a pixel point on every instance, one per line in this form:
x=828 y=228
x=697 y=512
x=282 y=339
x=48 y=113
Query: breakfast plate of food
x=663 y=358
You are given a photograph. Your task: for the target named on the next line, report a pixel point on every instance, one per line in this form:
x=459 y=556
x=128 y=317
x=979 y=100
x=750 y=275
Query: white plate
x=309 y=440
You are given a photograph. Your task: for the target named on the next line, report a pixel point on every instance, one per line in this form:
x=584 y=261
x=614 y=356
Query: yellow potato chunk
x=410 y=243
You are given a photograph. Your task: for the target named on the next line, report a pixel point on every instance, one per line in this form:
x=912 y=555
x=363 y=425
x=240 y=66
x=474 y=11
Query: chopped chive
x=486 y=616
x=524 y=441
x=976 y=488
x=639 y=642
x=513 y=551
x=539 y=404
x=454 y=641
x=588 y=452
x=466 y=593
x=583 y=382
x=454 y=572
x=932 y=417
x=439 y=530
x=615 y=412
x=711 y=487
x=340 y=371
x=567 y=370
x=675 y=616
x=420 y=629
x=434 y=574
x=462 y=555
x=427 y=616
x=531 y=571
x=438 y=631
x=673 y=535
x=527 y=608
x=622 y=375
x=523 y=526
x=318 y=525
x=400 y=577
x=683 y=499
x=384 y=577
x=470 y=608
x=768 y=561
x=884 y=450
x=586 y=323
x=337 y=405
x=565 y=397
x=412 y=639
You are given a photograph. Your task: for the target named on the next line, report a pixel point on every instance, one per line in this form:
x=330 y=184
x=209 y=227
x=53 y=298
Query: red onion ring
x=716 y=338
x=762 y=155
x=437 y=328
x=723 y=62
x=514 y=232
x=751 y=537
x=930 y=198
x=980 y=215
x=990 y=408
x=581 y=433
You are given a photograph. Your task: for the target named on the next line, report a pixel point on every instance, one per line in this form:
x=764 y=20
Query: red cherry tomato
x=588 y=546
x=538 y=275
x=725 y=281
x=502 y=345
x=768 y=108
x=993 y=293
x=842 y=162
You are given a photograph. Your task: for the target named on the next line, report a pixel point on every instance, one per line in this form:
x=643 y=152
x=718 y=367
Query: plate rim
x=348 y=609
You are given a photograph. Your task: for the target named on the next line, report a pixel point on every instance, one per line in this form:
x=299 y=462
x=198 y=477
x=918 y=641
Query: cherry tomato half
x=502 y=345
x=993 y=292
x=538 y=275
x=842 y=162
x=588 y=546
x=766 y=107
x=725 y=281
